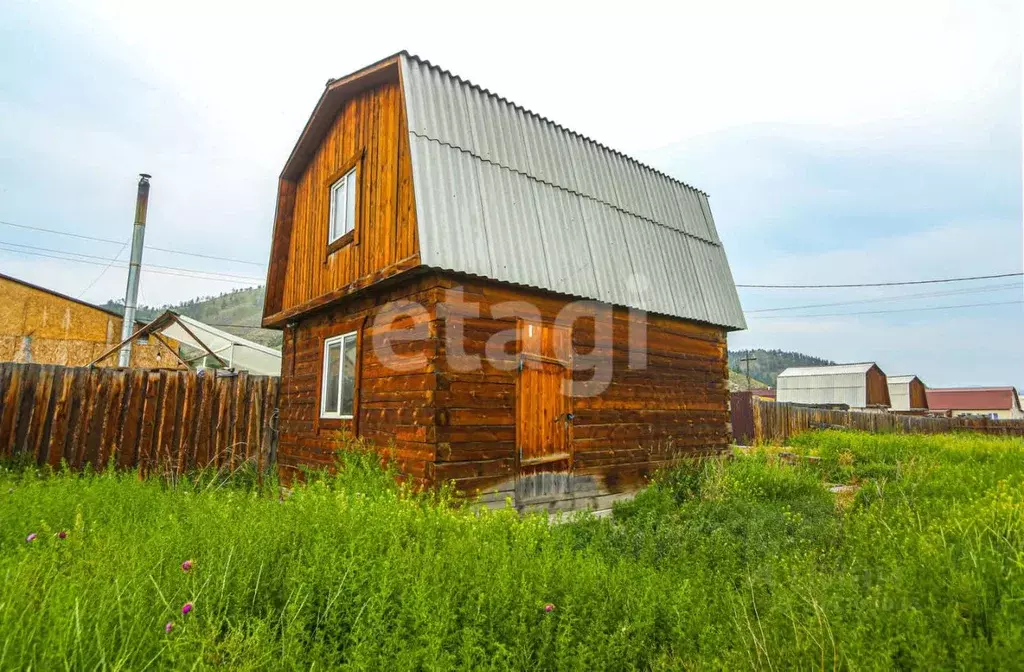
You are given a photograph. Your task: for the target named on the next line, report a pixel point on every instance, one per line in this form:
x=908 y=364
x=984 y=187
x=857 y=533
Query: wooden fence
x=775 y=422
x=154 y=419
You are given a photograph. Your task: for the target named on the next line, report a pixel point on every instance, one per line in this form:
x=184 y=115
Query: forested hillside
x=768 y=364
x=232 y=311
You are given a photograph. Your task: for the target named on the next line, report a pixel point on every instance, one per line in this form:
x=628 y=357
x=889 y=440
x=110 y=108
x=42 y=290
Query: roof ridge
x=554 y=123
x=562 y=188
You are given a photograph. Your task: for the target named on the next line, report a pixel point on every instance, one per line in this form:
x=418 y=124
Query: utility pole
x=748 y=359
x=131 y=294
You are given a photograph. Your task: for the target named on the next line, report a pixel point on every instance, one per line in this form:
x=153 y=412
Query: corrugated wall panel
x=847 y=388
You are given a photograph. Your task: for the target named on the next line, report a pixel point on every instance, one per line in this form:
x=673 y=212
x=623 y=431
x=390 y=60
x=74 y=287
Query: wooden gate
x=543 y=413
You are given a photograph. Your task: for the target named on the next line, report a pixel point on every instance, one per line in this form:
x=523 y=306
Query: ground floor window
x=339 y=379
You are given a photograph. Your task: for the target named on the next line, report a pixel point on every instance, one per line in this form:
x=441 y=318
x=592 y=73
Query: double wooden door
x=543 y=412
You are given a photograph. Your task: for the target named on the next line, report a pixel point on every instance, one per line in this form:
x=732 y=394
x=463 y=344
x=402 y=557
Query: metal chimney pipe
x=131 y=294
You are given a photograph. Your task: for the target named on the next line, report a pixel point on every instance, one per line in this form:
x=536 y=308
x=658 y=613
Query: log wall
x=450 y=424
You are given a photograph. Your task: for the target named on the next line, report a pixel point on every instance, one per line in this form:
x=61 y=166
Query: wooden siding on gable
x=370 y=125
x=877 y=392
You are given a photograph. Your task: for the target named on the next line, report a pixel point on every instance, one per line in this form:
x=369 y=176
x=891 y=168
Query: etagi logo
x=584 y=335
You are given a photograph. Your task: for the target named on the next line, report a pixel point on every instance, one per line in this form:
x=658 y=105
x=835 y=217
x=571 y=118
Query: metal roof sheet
x=834 y=370
x=506 y=194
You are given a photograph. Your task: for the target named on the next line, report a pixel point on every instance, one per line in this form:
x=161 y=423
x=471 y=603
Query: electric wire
x=118 y=242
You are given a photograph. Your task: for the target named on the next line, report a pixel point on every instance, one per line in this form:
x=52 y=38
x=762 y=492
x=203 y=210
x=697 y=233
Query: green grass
x=718 y=565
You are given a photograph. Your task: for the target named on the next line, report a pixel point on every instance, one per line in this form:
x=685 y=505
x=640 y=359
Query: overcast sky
x=863 y=143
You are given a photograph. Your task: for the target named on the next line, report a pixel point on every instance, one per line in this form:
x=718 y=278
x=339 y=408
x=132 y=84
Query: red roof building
x=994 y=402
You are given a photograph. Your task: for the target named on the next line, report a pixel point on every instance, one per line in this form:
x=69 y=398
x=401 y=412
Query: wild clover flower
x=169 y=627
x=549 y=607
x=187 y=607
x=62 y=534
x=30 y=538
x=186 y=566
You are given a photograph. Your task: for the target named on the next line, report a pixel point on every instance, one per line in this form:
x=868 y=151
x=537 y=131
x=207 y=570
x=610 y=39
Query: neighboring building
x=907 y=393
x=768 y=394
x=41 y=326
x=994 y=402
x=860 y=385
x=408 y=182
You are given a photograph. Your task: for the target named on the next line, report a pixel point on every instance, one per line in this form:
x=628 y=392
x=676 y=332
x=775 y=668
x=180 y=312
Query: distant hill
x=226 y=311
x=738 y=382
x=770 y=363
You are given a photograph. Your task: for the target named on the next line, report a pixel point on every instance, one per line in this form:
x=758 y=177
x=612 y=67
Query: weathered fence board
x=775 y=422
x=167 y=420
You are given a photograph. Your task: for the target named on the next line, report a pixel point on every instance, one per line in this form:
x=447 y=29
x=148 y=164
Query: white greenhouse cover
x=239 y=353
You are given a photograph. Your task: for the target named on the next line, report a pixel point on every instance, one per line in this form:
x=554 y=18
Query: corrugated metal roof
x=901 y=379
x=834 y=370
x=506 y=194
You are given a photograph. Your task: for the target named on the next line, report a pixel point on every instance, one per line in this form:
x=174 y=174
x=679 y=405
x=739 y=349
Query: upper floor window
x=343 y=206
x=339 y=379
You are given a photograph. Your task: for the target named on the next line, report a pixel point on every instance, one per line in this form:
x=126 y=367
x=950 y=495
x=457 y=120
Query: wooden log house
x=587 y=347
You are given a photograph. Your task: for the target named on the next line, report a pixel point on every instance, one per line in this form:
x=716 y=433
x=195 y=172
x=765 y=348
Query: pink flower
x=62 y=534
x=187 y=607
x=30 y=538
x=186 y=566
x=169 y=627
x=549 y=607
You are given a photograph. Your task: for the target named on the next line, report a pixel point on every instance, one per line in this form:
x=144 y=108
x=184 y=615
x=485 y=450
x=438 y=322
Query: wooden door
x=543 y=414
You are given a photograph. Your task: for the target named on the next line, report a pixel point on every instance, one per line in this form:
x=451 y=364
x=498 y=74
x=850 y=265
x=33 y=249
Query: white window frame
x=349 y=221
x=328 y=342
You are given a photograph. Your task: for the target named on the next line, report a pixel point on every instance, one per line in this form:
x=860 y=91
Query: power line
x=169 y=268
x=105 y=269
x=145 y=269
x=118 y=242
x=901 y=297
x=885 y=284
x=879 y=312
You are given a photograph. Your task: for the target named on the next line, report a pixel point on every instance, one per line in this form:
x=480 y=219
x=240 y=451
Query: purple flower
x=549 y=607
x=169 y=627
x=62 y=534
x=186 y=566
x=187 y=607
x=30 y=538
